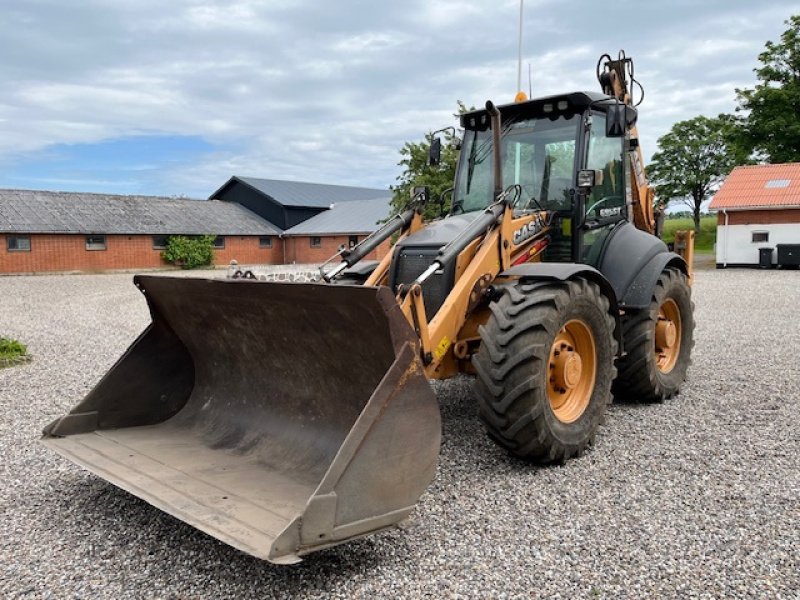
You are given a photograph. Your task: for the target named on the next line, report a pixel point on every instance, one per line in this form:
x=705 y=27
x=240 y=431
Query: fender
x=632 y=260
x=641 y=289
x=563 y=272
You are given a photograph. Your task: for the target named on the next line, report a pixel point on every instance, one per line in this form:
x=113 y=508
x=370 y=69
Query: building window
x=160 y=242
x=352 y=241
x=316 y=242
x=265 y=241
x=95 y=242
x=760 y=236
x=219 y=242
x=18 y=243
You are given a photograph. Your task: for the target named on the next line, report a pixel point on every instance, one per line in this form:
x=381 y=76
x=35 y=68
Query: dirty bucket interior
x=277 y=417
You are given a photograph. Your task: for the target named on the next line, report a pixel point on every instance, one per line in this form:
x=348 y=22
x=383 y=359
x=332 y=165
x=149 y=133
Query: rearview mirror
x=615 y=121
x=435 y=152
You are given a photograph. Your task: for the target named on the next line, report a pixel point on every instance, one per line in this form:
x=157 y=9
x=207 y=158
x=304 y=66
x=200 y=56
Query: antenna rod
x=530 y=82
x=519 y=53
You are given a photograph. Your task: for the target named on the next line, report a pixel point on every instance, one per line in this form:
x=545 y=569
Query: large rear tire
x=545 y=368
x=658 y=343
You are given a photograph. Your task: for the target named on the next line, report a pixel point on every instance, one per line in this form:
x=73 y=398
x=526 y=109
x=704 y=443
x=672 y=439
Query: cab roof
x=577 y=102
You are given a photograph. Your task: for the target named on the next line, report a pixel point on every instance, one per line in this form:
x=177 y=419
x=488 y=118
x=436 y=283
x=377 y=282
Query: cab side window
x=607 y=199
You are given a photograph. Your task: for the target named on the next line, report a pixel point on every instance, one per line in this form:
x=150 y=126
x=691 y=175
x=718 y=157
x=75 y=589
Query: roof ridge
x=767 y=165
x=102 y=194
x=338 y=185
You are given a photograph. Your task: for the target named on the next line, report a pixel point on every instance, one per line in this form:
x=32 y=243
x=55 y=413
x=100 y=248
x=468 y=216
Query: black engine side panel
x=417 y=252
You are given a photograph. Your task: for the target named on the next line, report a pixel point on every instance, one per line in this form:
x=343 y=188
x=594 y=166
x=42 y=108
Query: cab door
x=605 y=204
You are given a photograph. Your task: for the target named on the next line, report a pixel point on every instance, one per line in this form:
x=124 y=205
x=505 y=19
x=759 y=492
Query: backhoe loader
x=283 y=418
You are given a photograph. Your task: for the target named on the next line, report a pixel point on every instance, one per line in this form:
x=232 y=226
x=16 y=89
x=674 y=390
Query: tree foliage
x=771 y=128
x=189 y=252
x=417 y=172
x=692 y=160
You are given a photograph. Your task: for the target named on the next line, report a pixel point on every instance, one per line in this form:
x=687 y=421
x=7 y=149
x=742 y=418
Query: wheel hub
x=571 y=371
x=667 y=335
x=568 y=368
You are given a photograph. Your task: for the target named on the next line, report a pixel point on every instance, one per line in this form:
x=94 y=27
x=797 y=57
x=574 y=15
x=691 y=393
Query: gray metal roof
x=29 y=211
x=300 y=193
x=358 y=216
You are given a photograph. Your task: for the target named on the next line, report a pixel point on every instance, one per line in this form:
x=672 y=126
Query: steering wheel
x=603 y=200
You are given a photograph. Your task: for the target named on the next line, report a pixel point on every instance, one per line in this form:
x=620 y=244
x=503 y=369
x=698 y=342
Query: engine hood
x=439 y=233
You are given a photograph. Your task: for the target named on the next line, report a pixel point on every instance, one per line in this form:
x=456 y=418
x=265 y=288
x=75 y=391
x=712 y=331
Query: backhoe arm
x=613 y=77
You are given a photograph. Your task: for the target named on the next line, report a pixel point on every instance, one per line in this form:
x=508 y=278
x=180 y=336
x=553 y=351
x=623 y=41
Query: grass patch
x=703 y=241
x=12 y=352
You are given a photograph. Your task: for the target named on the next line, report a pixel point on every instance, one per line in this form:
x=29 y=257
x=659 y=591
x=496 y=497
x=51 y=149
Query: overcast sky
x=155 y=97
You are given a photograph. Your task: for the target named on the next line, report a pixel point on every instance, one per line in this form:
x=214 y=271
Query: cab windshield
x=537 y=154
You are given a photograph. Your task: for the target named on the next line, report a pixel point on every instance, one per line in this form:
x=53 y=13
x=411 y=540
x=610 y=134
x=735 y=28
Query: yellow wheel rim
x=572 y=370
x=668 y=336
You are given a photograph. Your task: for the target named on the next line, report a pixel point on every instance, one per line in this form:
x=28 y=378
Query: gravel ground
x=695 y=498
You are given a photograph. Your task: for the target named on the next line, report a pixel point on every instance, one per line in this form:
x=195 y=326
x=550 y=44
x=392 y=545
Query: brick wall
x=760 y=217
x=68 y=253
x=299 y=249
x=244 y=249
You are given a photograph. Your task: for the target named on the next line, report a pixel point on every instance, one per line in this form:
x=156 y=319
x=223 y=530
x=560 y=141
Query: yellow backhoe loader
x=283 y=418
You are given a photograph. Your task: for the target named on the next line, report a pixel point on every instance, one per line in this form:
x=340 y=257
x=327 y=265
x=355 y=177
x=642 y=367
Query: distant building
x=343 y=225
x=758 y=216
x=289 y=203
x=256 y=221
x=66 y=231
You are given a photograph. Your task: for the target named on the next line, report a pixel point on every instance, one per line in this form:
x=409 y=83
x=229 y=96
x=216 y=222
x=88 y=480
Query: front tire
x=658 y=342
x=545 y=368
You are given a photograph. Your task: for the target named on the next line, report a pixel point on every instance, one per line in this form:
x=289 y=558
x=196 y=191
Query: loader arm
x=479 y=265
x=380 y=276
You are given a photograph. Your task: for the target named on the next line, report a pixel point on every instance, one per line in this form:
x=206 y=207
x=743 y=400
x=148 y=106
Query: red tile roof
x=756 y=186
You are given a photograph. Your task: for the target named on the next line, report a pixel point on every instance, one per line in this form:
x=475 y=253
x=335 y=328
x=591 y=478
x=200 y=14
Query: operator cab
x=546 y=143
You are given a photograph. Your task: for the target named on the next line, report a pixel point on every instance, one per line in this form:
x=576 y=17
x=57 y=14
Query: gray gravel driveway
x=695 y=498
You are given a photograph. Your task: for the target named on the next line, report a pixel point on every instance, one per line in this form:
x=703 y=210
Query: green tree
x=692 y=159
x=417 y=172
x=771 y=128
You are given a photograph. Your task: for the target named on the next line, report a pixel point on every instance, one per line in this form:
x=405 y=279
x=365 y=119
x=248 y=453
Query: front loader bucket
x=281 y=418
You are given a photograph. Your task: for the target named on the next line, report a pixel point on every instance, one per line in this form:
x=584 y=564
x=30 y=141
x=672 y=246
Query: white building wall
x=735 y=246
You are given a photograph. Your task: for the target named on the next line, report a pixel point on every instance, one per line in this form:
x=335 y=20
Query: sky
x=173 y=98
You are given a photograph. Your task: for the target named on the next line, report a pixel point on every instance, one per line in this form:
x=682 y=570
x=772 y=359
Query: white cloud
x=371 y=42
x=330 y=91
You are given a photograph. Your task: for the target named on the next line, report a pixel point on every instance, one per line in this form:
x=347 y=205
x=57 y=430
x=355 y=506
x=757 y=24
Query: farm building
x=65 y=231
x=316 y=219
x=758 y=216
x=343 y=225
x=289 y=203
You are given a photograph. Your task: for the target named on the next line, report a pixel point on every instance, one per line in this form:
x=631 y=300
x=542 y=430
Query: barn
x=255 y=221
x=66 y=231
x=289 y=203
x=758 y=217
